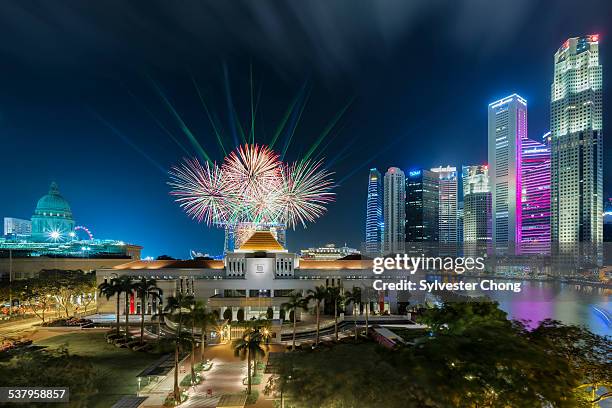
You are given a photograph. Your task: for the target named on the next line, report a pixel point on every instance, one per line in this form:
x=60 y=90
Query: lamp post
x=10 y=283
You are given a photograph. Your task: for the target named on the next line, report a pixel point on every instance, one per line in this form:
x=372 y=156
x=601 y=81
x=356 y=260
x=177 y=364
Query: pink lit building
x=535 y=197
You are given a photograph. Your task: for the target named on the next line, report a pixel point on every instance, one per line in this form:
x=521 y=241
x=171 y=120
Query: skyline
x=109 y=175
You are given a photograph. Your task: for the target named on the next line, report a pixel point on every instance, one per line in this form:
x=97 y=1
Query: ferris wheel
x=85 y=229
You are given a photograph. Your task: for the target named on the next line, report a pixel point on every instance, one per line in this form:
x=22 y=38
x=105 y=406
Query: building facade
x=251 y=282
x=476 y=206
x=394 y=210
x=16 y=227
x=507 y=128
x=329 y=252
x=577 y=142
x=535 y=170
x=374 y=213
x=447 y=213
x=52 y=219
x=422 y=206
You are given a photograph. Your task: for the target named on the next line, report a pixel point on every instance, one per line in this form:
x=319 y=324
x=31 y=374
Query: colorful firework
x=200 y=190
x=252 y=186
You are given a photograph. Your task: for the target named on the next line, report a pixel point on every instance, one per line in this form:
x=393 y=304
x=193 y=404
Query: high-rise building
x=507 y=127
x=394 y=210
x=374 y=213
x=460 y=221
x=16 y=227
x=607 y=220
x=535 y=168
x=475 y=179
x=476 y=206
x=477 y=219
x=577 y=142
x=447 y=212
x=422 y=206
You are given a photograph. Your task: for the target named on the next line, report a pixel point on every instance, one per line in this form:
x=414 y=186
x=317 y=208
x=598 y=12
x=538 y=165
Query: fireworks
x=254 y=186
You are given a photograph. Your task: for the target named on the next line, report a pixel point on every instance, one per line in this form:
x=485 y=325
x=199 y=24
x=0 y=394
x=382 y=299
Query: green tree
x=334 y=296
x=176 y=306
x=146 y=289
x=249 y=348
x=109 y=289
x=295 y=303
x=589 y=355
x=52 y=368
x=204 y=319
x=39 y=296
x=353 y=297
x=318 y=295
x=125 y=285
x=69 y=286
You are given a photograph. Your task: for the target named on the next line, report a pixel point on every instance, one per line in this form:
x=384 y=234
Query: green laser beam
x=181 y=123
x=295 y=125
x=327 y=130
x=158 y=122
x=212 y=122
x=287 y=115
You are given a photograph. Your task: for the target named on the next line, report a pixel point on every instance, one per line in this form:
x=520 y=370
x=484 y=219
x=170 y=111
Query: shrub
x=251 y=399
x=186 y=382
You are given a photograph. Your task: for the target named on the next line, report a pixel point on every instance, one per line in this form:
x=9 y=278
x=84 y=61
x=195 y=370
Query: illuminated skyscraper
x=447 y=213
x=507 y=123
x=374 y=213
x=422 y=206
x=476 y=206
x=394 y=210
x=535 y=169
x=475 y=179
x=576 y=142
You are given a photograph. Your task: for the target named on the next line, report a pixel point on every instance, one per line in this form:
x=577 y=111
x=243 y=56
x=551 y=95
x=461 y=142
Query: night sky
x=78 y=103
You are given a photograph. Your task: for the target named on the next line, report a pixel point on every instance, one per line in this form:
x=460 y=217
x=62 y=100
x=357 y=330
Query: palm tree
x=110 y=289
x=126 y=285
x=203 y=318
x=249 y=347
x=296 y=302
x=146 y=288
x=318 y=294
x=353 y=297
x=176 y=305
x=367 y=297
x=335 y=297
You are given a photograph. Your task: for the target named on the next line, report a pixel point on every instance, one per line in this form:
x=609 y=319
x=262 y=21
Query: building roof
x=261 y=241
x=53 y=203
x=173 y=264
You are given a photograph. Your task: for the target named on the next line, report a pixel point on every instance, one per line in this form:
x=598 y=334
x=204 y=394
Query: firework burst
x=252 y=186
x=200 y=191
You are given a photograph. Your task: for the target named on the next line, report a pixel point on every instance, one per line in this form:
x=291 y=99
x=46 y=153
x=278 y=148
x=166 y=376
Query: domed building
x=52 y=220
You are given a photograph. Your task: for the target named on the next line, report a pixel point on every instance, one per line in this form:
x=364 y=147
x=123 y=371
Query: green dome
x=53 y=204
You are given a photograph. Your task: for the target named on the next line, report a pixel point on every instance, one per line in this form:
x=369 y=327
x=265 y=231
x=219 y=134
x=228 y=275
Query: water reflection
x=570 y=303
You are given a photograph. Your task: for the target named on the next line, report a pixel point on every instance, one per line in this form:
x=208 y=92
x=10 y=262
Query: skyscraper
x=475 y=179
x=476 y=206
x=576 y=142
x=535 y=169
x=507 y=127
x=374 y=213
x=422 y=206
x=447 y=213
x=394 y=210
